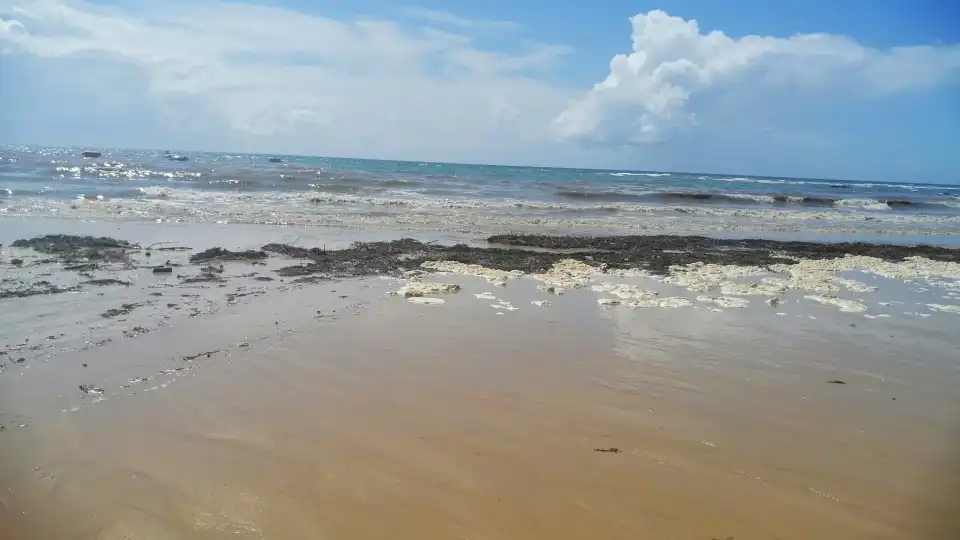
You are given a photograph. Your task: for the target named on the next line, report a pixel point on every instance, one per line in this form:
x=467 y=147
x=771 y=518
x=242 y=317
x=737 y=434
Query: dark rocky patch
x=122 y=310
x=60 y=243
x=90 y=389
x=108 y=281
x=35 y=288
x=220 y=254
x=613 y=450
x=81 y=267
x=79 y=251
x=205 y=277
x=16 y=262
x=136 y=331
x=722 y=251
x=208 y=354
x=232 y=297
x=533 y=253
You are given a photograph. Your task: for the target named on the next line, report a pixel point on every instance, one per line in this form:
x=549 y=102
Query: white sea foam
x=670 y=302
x=854 y=286
x=749 y=197
x=625 y=291
x=651 y=175
x=496 y=277
x=427 y=301
x=944 y=308
x=158 y=192
x=416 y=289
x=868 y=204
x=851 y=306
x=724 y=301
x=568 y=274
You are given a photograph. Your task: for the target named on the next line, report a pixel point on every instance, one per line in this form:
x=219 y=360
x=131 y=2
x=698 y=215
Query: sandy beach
x=560 y=389
x=291 y=270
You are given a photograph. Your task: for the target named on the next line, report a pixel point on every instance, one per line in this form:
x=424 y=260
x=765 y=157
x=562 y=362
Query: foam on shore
x=849 y=306
x=721 y=285
x=568 y=274
x=724 y=301
x=417 y=289
x=492 y=275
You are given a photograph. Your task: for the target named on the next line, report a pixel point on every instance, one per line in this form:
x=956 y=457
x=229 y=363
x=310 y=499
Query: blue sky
x=851 y=89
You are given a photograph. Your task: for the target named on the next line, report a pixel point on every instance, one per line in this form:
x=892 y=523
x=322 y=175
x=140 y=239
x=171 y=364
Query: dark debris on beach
x=220 y=254
x=526 y=253
x=124 y=309
x=79 y=252
x=32 y=289
x=534 y=253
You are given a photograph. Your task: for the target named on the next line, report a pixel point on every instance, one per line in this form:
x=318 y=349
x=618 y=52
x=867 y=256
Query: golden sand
x=405 y=421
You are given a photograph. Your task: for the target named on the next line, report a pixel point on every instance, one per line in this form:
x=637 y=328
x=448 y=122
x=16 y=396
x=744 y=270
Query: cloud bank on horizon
x=427 y=84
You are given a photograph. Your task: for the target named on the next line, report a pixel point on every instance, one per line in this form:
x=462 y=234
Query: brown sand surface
x=393 y=420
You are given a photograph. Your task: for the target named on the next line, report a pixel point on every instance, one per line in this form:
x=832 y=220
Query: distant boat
x=176 y=157
x=275 y=160
x=91 y=154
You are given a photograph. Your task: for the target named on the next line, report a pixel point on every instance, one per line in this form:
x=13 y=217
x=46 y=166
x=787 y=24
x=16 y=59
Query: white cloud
x=449 y=19
x=281 y=76
x=647 y=93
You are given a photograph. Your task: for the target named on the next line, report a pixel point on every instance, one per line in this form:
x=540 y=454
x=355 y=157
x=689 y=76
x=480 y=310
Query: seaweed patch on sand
x=79 y=253
x=716 y=270
x=721 y=260
x=220 y=254
x=23 y=290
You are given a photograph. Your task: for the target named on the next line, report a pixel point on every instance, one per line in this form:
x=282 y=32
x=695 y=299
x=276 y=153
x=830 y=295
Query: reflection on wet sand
x=399 y=420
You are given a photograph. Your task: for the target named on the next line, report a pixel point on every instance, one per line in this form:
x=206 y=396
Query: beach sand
x=331 y=409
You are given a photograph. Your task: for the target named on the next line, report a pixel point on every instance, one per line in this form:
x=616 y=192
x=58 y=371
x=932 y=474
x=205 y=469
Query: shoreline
x=466 y=219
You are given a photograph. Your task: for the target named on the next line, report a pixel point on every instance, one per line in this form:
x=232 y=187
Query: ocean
x=304 y=190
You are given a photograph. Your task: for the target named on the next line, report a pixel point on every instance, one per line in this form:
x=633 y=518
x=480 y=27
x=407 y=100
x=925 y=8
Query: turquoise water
x=60 y=172
x=359 y=192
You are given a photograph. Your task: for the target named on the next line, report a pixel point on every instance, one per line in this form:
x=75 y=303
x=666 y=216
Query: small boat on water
x=274 y=160
x=91 y=154
x=174 y=157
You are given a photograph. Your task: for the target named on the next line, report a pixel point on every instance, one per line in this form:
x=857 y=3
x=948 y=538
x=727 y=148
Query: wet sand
x=333 y=410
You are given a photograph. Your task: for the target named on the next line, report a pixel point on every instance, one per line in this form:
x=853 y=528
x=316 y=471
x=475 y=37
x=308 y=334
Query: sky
x=852 y=89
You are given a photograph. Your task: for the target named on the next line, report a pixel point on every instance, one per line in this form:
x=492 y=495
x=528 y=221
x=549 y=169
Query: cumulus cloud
x=648 y=91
